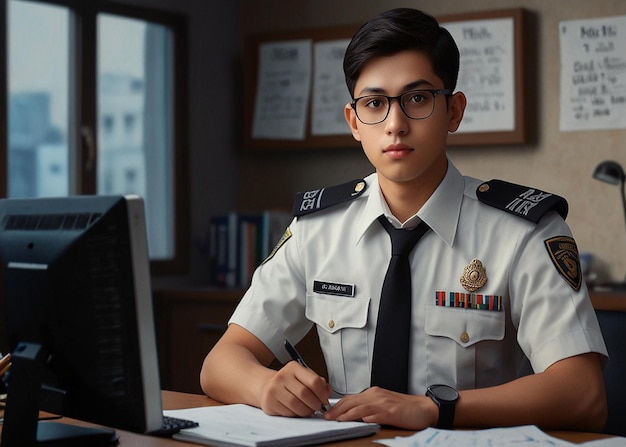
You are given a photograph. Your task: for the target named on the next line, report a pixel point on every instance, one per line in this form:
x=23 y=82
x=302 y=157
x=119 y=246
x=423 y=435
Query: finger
x=355 y=413
x=289 y=395
x=313 y=389
x=285 y=403
x=304 y=403
x=4 y=369
x=4 y=361
x=368 y=398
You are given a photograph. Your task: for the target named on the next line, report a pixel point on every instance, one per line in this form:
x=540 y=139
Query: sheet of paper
x=593 y=74
x=248 y=426
x=524 y=436
x=283 y=90
x=616 y=441
x=486 y=73
x=330 y=94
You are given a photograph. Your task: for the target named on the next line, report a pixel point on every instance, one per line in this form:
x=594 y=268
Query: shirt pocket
x=464 y=326
x=341 y=326
x=457 y=341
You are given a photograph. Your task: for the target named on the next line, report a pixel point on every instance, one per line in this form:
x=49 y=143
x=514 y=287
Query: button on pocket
x=341 y=326
x=333 y=313
x=465 y=326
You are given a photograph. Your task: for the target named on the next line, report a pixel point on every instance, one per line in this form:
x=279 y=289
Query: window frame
x=83 y=74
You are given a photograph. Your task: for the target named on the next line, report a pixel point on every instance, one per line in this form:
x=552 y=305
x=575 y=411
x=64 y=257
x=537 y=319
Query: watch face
x=445 y=392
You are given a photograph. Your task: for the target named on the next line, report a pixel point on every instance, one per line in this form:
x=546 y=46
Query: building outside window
x=131 y=145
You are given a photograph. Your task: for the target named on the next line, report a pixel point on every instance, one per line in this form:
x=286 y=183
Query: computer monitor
x=76 y=285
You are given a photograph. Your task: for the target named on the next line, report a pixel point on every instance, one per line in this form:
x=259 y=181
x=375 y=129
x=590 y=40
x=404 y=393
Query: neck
x=407 y=198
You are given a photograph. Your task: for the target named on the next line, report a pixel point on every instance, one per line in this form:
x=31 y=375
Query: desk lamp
x=613 y=173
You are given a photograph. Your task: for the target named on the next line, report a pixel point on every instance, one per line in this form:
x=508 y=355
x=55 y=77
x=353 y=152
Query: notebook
x=243 y=425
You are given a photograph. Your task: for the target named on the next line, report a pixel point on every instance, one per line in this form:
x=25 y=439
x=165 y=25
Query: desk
x=607 y=300
x=174 y=400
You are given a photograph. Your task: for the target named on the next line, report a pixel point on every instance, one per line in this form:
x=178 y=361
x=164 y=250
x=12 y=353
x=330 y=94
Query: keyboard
x=173 y=425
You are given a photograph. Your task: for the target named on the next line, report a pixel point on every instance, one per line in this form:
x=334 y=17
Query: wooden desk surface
x=174 y=400
x=608 y=300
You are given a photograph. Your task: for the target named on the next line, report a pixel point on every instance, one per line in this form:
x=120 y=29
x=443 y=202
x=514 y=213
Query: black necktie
x=390 y=363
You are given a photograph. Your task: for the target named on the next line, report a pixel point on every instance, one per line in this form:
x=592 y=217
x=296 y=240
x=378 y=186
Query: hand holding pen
x=293 y=353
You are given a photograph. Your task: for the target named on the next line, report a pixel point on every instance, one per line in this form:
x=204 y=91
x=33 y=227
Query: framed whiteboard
x=492 y=74
x=294 y=92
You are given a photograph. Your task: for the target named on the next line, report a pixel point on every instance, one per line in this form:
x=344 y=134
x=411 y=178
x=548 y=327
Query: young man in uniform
x=494 y=279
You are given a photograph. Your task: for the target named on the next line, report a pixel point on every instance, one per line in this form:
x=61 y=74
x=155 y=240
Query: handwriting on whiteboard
x=593 y=74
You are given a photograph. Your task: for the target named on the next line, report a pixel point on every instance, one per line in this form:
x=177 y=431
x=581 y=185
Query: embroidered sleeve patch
x=564 y=255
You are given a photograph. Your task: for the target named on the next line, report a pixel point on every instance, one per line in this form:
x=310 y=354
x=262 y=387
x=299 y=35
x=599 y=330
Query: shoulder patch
x=529 y=203
x=319 y=199
x=564 y=255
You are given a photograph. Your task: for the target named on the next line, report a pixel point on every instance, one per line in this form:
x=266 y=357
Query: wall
x=560 y=162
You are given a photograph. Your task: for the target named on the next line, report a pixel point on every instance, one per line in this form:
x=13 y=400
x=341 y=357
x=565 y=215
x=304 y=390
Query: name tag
x=333 y=288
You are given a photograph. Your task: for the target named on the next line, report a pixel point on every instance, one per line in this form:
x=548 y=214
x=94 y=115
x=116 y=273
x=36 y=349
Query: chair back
x=613 y=326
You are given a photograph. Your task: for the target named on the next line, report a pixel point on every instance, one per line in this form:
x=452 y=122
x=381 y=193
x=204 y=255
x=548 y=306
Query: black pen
x=295 y=355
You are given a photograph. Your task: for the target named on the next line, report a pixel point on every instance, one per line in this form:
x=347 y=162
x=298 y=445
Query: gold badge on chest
x=474 y=276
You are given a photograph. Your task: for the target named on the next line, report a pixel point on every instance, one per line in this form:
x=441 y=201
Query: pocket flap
x=465 y=326
x=333 y=313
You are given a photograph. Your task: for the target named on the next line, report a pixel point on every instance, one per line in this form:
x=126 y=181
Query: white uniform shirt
x=330 y=273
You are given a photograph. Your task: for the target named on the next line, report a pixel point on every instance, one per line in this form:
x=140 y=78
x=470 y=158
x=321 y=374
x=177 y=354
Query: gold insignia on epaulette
x=564 y=255
x=474 y=276
x=358 y=188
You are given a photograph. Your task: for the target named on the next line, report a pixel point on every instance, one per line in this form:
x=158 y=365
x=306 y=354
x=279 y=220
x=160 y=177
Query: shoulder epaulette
x=523 y=201
x=319 y=199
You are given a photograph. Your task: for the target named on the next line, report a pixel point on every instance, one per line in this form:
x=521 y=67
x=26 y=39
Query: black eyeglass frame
x=434 y=92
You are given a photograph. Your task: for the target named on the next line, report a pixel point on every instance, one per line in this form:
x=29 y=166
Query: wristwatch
x=445 y=397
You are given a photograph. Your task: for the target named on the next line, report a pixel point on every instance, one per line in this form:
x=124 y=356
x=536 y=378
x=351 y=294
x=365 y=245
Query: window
x=38 y=105
x=94 y=104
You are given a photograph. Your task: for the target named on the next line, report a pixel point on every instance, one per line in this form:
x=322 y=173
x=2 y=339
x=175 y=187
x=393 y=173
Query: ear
x=351 y=119
x=456 y=109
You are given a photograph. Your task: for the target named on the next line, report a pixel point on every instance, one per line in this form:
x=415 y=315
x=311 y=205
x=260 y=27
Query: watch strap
x=446 y=415
x=446 y=407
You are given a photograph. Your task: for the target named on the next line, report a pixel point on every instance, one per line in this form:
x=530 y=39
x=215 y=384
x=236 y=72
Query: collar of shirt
x=441 y=211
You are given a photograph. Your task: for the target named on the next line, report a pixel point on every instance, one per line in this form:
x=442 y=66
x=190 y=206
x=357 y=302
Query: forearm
x=232 y=373
x=569 y=395
x=235 y=371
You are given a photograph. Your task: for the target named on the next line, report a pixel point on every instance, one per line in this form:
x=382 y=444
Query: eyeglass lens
x=415 y=104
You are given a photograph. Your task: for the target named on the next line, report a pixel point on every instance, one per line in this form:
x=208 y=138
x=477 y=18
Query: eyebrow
x=411 y=86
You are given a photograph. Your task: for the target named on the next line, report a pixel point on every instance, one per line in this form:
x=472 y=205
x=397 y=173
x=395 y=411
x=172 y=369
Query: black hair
x=398 y=30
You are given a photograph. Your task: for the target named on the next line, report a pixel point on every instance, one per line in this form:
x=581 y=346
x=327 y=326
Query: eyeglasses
x=416 y=105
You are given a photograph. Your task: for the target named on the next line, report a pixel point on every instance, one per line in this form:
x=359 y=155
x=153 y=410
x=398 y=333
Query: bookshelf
x=237 y=243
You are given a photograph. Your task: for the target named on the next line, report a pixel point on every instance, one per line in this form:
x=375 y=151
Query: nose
x=397 y=121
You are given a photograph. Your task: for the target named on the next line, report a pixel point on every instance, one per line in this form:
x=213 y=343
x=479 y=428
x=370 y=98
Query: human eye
x=374 y=102
x=416 y=97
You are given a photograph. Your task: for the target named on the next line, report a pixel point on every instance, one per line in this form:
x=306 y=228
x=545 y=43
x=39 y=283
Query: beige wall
x=560 y=162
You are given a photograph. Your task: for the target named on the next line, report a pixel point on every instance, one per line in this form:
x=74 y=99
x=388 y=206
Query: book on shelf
x=239 y=242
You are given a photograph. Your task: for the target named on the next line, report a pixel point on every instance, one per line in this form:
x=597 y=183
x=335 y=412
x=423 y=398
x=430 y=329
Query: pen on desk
x=295 y=355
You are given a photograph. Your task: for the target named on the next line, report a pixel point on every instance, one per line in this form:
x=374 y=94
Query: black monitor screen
x=76 y=280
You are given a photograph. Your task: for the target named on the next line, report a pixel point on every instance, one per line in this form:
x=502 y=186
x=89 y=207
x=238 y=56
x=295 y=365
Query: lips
x=397 y=150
